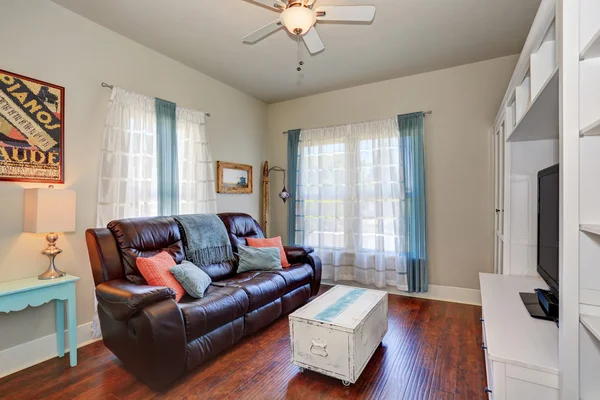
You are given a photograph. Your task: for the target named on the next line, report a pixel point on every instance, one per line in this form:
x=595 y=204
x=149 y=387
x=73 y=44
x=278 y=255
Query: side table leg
x=72 y=318
x=60 y=326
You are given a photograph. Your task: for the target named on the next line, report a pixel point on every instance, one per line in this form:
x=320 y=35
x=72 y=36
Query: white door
x=499 y=143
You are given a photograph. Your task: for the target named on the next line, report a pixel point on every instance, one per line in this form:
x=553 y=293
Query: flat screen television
x=547 y=237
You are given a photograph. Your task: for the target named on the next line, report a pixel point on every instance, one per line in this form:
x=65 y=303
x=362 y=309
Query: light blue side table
x=16 y=295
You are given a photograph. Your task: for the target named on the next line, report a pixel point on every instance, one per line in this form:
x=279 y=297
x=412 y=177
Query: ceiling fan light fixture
x=298 y=20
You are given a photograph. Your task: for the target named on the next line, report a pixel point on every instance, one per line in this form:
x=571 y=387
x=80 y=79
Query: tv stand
x=542 y=304
x=521 y=353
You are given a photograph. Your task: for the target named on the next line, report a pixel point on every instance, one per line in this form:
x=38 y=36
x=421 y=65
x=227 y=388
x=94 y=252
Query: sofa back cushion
x=219 y=271
x=148 y=236
x=145 y=237
x=155 y=270
x=239 y=227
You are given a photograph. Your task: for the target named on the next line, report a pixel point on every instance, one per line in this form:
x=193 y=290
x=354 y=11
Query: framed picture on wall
x=32 y=116
x=234 y=178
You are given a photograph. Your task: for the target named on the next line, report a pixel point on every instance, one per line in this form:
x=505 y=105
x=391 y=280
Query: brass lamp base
x=52 y=251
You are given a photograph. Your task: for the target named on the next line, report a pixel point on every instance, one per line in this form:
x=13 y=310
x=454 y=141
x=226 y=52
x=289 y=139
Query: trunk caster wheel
x=346 y=383
x=301 y=370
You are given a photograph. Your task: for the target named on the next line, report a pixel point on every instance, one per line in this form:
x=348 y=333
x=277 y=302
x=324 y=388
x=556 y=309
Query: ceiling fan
x=299 y=18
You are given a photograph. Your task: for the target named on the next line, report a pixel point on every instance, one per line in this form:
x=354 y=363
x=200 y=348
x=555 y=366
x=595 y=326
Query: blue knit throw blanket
x=205 y=239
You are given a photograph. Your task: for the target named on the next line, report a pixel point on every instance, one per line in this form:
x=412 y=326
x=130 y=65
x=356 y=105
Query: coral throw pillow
x=155 y=271
x=272 y=242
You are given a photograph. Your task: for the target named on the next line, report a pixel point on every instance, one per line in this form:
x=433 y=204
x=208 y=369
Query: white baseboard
x=436 y=292
x=36 y=351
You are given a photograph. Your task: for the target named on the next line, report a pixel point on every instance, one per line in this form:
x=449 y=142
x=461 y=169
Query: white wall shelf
x=595 y=229
x=540 y=121
x=543 y=64
x=523 y=97
x=592 y=323
x=592 y=49
x=589 y=87
x=591 y=130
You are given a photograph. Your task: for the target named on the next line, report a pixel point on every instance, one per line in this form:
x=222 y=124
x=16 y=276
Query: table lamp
x=49 y=211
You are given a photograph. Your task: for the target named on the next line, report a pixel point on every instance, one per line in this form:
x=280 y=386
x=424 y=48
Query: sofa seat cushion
x=218 y=307
x=295 y=276
x=260 y=287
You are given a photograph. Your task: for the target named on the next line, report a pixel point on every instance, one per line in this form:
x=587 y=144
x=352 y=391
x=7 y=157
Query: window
x=349 y=189
x=130 y=181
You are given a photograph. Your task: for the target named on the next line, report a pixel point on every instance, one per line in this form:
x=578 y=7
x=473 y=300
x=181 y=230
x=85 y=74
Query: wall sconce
x=283 y=195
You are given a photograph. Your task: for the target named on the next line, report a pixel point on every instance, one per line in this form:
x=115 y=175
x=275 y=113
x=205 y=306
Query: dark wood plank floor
x=432 y=351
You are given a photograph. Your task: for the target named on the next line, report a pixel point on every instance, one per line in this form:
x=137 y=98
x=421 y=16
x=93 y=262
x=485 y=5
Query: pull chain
x=300 y=62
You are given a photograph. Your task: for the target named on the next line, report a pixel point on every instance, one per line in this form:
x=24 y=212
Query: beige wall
x=45 y=41
x=464 y=101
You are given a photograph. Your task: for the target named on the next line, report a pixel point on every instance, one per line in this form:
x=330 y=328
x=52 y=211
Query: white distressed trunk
x=337 y=333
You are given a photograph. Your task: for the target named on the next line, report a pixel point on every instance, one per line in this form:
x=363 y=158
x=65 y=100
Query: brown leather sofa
x=158 y=339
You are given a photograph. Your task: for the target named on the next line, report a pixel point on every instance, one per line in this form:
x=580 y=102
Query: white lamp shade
x=49 y=210
x=300 y=18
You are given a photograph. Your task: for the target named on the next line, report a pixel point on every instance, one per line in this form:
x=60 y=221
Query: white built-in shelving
x=592 y=49
x=535 y=98
x=543 y=62
x=589 y=29
x=592 y=323
x=540 y=120
x=589 y=100
x=589 y=178
x=595 y=229
x=592 y=129
x=523 y=97
x=589 y=197
x=551 y=112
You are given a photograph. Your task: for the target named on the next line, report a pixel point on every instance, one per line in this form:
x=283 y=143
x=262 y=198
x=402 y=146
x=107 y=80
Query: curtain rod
x=424 y=112
x=106 y=85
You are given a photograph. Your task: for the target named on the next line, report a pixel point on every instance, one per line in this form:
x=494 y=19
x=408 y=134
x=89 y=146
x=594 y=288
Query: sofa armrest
x=296 y=254
x=121 y=299
x=315 y=263
x=306 y=254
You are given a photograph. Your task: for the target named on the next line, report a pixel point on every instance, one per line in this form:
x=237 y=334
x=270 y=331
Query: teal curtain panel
x=413 y=157
x=166 y=149
x=292 y=156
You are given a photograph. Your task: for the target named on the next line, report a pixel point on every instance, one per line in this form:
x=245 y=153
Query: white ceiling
x=407 y=37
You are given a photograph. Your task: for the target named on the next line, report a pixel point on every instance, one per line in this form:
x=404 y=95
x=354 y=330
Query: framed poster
x=234 y=178
x=31 y=129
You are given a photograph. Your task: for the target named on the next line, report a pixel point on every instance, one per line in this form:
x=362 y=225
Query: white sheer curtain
x=197 y=193
x=128 y=171
x=128 y=182
x=349 y=192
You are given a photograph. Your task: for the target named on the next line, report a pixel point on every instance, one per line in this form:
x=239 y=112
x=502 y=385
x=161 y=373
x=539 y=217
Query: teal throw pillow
x=258 y=259
x=192 y=278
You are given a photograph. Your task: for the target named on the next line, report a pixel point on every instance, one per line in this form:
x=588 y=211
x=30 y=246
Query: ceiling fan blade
x=309 y=2
x=346 y=13
x=274 y=4
x=262 y=32
x=313 y=41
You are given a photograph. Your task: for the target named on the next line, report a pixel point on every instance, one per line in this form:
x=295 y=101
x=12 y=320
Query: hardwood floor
x=432 y=351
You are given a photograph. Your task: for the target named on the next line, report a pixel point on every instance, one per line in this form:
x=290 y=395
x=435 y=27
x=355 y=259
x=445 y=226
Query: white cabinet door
x=499 y=143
